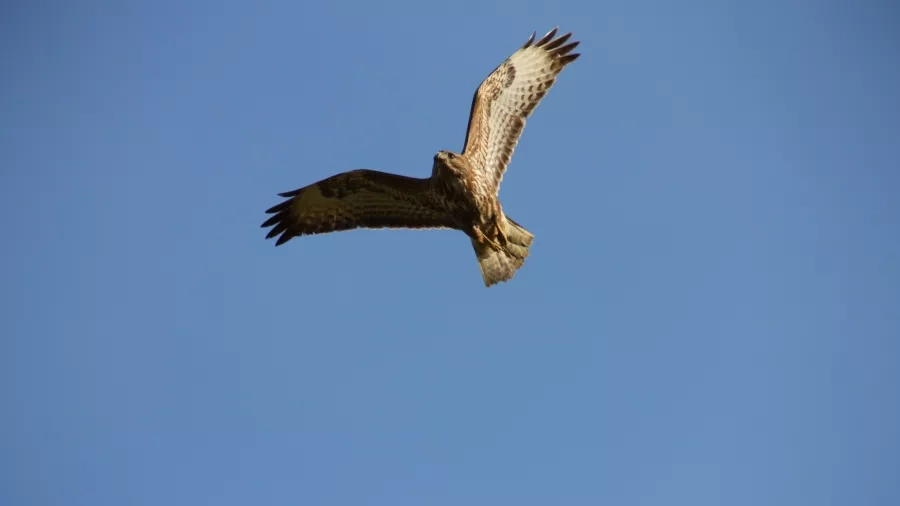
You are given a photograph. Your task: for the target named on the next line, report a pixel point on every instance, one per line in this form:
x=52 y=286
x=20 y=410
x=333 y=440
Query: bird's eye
x=451 y=155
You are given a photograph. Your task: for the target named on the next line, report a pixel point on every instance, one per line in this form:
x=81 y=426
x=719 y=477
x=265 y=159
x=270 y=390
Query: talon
x=501 y=236
x=497 y=244
x=500 y=233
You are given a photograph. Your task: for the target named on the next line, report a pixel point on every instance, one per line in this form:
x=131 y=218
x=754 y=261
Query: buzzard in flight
x=462 y=192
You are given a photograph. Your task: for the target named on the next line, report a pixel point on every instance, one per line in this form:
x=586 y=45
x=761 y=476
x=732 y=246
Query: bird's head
x=451 y=160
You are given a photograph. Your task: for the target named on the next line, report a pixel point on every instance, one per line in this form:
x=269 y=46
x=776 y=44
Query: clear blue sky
x=710 y=315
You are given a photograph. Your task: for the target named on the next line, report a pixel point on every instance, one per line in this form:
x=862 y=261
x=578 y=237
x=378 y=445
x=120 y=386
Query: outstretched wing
x=506 y=98
x=356 y=199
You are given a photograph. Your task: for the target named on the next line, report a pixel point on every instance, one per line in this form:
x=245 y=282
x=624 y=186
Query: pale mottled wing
x=356 y=199
x=506 y=98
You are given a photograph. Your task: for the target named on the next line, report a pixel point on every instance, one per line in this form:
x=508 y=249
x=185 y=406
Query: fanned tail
x=497 y=266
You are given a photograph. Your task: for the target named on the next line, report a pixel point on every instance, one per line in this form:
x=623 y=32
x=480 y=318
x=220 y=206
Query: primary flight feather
x=462 y=192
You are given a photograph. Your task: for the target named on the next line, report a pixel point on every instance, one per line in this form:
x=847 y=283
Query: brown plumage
x=462 y=192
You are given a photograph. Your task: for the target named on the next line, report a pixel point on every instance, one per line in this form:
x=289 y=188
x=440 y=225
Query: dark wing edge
x=360 y=198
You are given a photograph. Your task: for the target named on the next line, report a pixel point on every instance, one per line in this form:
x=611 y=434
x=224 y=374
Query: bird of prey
x=462 y=192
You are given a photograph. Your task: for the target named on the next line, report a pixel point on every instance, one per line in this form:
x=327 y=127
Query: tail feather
x=497 y=266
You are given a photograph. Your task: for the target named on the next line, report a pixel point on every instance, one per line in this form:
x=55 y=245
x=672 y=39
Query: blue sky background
x=710 y=315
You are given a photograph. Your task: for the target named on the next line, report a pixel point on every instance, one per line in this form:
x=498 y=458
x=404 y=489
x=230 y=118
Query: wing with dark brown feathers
x=506 y=98
x=356 y=199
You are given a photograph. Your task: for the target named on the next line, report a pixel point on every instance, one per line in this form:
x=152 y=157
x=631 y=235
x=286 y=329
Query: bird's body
x=462 y=192
x=465 y=196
